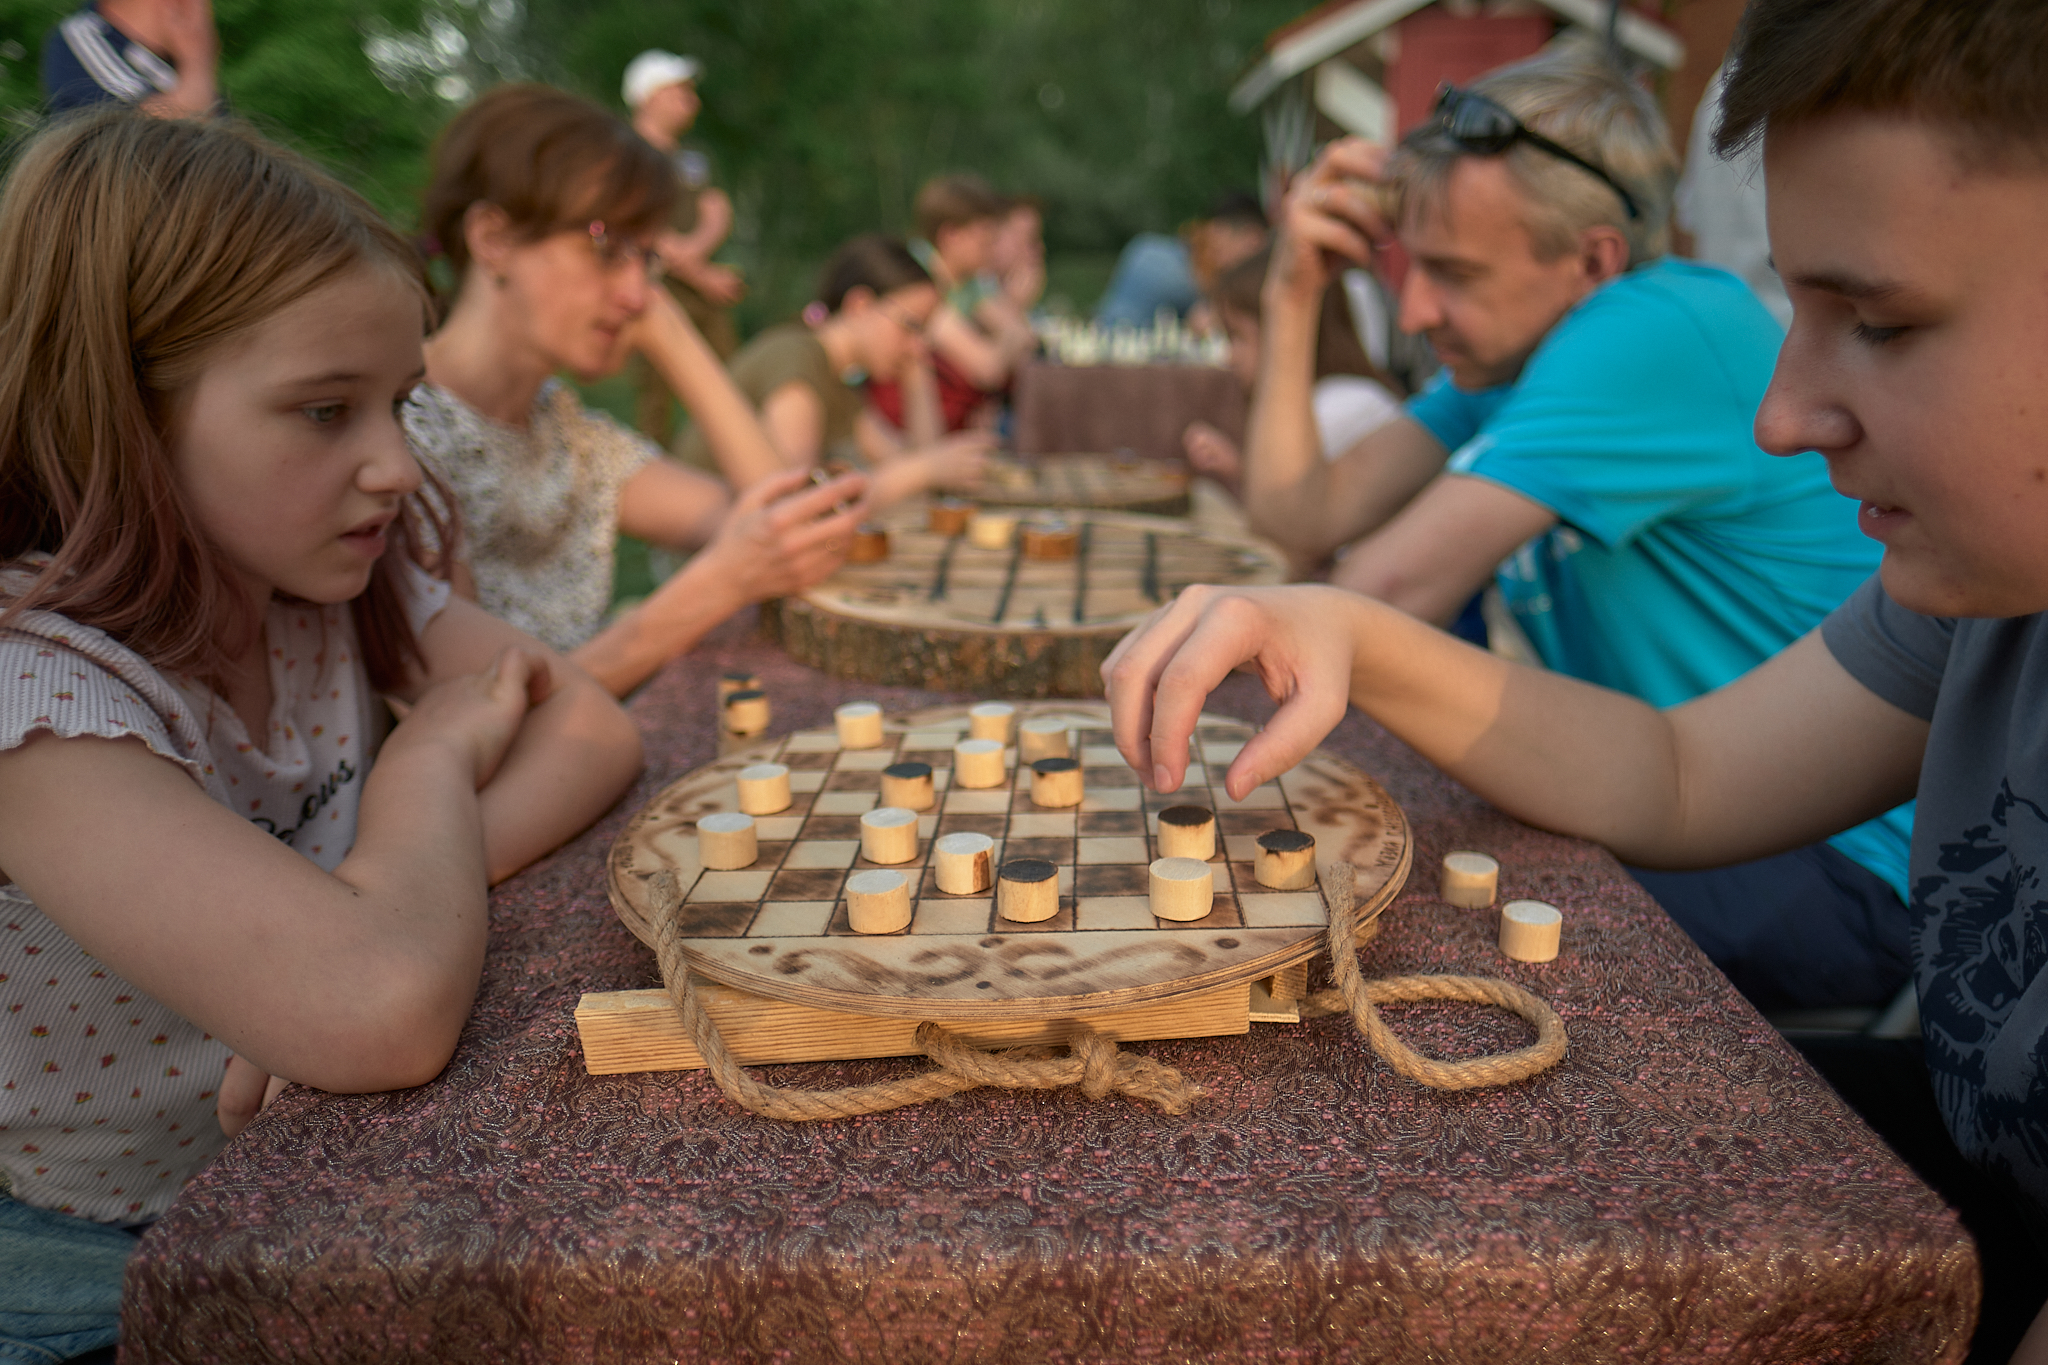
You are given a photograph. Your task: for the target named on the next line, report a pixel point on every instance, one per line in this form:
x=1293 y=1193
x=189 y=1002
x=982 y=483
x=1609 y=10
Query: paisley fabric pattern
x=1681 y=1187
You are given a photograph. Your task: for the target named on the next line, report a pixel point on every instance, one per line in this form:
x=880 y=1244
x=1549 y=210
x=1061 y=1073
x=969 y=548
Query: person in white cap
x=661 y=90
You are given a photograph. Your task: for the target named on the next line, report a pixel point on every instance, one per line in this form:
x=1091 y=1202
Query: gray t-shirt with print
x=1979 y=906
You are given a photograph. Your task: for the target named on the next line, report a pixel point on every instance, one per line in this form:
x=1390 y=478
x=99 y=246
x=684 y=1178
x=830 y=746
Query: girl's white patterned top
x=107 y=1097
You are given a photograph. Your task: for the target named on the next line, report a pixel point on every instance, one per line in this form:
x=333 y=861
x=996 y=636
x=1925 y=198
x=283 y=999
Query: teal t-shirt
x=1684 y=556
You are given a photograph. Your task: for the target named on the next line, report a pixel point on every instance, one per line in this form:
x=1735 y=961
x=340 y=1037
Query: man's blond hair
x=1571 y=94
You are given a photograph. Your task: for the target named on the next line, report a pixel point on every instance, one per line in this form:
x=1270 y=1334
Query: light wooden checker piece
x=778 y=930
x=1123 y=483
x=945 y=613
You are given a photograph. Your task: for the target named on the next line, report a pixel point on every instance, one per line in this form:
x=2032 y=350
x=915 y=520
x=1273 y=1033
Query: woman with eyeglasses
x=545 y=208
x=808 y=379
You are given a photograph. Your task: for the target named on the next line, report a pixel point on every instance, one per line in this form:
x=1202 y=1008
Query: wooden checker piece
x=945 y=613
x=777 y=932
x=1105 y=483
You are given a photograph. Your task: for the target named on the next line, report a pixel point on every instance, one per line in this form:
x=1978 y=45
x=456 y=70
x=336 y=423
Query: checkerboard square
x=932 y=739
x=1222 y=754
x=832 y=827
x=1115 y=798
x=950 y=916
x=803 y=762
x=1241 y=848
x=811 y=744
x=1129 y=849
x=1086 y=737
x=1101 y=779
x=714 y=919
x=1265 y=796
x=1113 y=912
x=1109 y=822
x=991 y=825
x=1059 y=851
x=1282 y=909
x=822 y=853
x=777 y=826
x=814 y=884
x=993 y=801
x=1252 y=822
x=731 y=886
x=1101 y=756
x=844 y=803
x=1113 y=879
x=852 y=782
x=808 y=782
x=1056 y=826
x=866 y=760
x=768 y=855
x=792 y=919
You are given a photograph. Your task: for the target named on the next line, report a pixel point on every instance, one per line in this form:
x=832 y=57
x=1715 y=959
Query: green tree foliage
x=822 y=116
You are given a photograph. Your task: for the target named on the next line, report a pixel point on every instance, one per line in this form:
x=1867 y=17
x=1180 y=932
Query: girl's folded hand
x=478 y=714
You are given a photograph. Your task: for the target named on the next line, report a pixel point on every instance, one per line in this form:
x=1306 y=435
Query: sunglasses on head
x=1477 y=124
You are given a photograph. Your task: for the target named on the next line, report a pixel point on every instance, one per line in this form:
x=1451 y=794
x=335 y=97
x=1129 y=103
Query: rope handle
x=1095 y=1063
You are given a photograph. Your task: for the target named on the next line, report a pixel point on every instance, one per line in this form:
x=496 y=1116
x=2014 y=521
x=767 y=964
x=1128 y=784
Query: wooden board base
x=624 y=1031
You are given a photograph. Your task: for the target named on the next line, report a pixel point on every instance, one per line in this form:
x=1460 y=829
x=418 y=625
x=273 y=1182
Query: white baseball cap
x=652 y=70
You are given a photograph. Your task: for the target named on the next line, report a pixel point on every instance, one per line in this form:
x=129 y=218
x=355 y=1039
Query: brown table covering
x=1106 y=408
x=1681 y=1187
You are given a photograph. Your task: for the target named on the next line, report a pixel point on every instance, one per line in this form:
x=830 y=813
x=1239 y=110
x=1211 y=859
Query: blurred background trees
x=821 y=116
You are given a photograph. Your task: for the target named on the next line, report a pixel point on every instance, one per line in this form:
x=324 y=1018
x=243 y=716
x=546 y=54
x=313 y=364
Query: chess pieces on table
x=908 y=785
x=1182 y=888
x=878 y=902
x=726 y=841
x=888 y=834
x=1469 y=879
x=1043 y=737
x=1056 y=782
x=1050 y=539
x=764 y=788
x=949 y=516
x=1286 y=860
x=1530 y=930
x=991 y=530
x=746 y=711
x=978 y=763
x=963 y=864
x=859 y=724
x=1028 y=890
x=1187 y=832
x=991 y=720
x=870 y=544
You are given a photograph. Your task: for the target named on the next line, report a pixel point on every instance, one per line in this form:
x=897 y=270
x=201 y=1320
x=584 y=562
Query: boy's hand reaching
x=1299 y=639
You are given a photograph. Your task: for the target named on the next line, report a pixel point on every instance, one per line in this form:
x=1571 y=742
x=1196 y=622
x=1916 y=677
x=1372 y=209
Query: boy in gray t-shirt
x=1905 y=148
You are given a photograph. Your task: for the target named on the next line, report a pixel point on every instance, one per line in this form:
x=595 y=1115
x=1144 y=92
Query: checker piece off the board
x=781 y=974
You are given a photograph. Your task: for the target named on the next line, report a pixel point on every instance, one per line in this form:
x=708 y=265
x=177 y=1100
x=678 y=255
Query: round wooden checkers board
x=945 y=614
x=779 y=929
x=1120 y=483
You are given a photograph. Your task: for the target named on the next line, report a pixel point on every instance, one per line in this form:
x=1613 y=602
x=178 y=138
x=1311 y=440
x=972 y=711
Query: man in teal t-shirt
x=1588 y=448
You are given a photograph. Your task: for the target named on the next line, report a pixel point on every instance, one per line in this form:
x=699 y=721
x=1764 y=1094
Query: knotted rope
x=1355 y=994
x=1095 y=1063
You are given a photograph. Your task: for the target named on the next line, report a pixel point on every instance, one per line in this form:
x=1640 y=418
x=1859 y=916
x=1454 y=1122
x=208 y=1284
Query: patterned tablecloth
x=1682 y=1187
x=1106 y=408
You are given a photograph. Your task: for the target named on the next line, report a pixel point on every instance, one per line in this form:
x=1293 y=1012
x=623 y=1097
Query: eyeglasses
x=1477 y=124
x=615 y=252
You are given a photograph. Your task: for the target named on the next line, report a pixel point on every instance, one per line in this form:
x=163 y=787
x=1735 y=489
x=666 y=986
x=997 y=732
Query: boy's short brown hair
x=1974 y=64
x=950 y=200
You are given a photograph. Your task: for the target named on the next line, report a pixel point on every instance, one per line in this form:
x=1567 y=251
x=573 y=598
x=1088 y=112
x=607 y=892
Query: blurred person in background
x=161 y=55
x=806 y=379
x=549 y=210
x=1156 y=271
x=661 y=90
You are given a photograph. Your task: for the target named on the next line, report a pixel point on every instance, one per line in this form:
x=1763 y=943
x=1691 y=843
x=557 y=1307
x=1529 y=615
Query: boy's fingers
x=1130 y=677
x=1223 y=637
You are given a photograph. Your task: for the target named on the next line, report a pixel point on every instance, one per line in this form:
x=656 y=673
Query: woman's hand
x=1298 y=638
x=1333 y=214
x=784 y=535
x=1212 y=453
x=478 y=714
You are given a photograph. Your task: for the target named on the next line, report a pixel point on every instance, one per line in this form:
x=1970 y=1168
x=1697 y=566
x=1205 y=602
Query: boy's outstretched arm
x=1793 y=752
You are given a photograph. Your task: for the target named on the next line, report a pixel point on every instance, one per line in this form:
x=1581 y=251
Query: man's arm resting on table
x=1311 y=505
x=1793 y=752
x=1445 y=546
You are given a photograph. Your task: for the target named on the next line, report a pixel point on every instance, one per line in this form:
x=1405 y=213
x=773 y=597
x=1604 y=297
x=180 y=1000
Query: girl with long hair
x=213 y=559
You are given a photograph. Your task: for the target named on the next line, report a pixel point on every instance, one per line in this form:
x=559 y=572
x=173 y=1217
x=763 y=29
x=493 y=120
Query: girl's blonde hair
x=131 y=249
